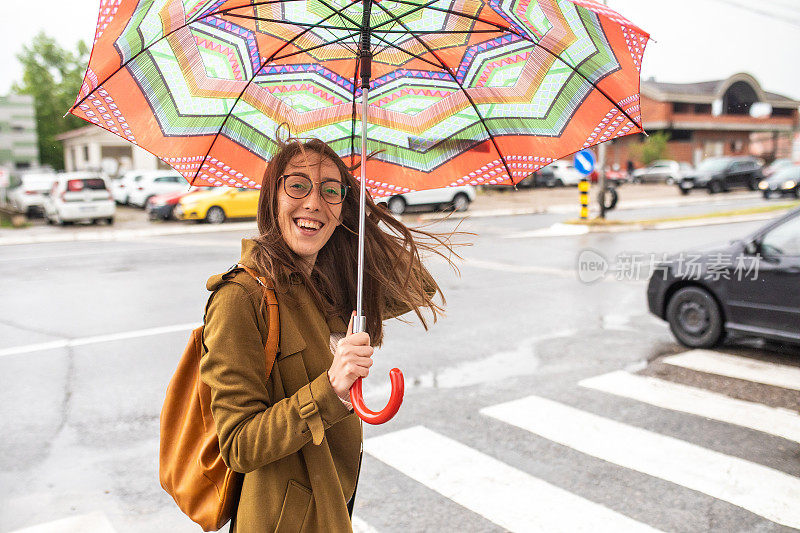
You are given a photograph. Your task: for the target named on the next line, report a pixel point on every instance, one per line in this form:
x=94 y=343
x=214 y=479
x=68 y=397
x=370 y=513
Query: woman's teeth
x=308 y=224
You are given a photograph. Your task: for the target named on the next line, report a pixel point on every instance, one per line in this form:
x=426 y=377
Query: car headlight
x=789 y=184
x=763 y=185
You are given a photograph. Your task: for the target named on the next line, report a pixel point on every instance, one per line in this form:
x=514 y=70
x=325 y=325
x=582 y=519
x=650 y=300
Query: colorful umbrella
x=455 y=91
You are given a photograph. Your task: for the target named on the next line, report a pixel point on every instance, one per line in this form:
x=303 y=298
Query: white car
x=28 y=192
x=457 y=198
x=155 y=182
x=564 y=173
x=79 y=196
x=121 y=188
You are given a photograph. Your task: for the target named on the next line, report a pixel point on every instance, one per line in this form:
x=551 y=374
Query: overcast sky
x=693 y=40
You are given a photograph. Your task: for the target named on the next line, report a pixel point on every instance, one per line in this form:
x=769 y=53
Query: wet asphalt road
x=80 y=421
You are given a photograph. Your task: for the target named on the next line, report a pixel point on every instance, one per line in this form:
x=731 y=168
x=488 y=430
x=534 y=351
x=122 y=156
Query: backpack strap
x=273 y=336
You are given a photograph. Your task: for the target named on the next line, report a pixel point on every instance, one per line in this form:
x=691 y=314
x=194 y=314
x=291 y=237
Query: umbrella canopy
x=461 y=92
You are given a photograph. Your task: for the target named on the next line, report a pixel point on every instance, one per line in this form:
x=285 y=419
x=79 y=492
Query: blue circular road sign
x=584 y=162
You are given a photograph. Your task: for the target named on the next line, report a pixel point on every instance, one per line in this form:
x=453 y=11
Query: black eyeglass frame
x=343 y=186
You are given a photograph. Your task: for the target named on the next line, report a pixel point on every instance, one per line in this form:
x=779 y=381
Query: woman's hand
x=351 y=360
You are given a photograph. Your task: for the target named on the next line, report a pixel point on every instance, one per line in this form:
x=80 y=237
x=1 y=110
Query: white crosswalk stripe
x=508 y=497
x=700 y=402
x=89 y=523
x=761 y=490
x=734 y=366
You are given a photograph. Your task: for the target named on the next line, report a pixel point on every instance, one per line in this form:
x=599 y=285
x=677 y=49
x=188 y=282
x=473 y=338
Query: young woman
x=294 y=434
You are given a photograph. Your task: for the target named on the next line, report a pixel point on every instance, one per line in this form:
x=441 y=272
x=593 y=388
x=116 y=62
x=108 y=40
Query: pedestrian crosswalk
x=516 y=500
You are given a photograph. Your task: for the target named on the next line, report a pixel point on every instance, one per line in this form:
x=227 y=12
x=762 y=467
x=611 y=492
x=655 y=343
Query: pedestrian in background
x=294 y=434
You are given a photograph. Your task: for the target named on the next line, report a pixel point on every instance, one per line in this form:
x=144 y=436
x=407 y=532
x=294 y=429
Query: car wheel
x=753 y=184
x=670 y=180
x=559 y=182
x=695 y=318
x=714 y=187
x=397 y=205
x=215 y=215
x=766 y=195
x=110 y=221
x=461 y=202
x=685 y=191
x=796 y=192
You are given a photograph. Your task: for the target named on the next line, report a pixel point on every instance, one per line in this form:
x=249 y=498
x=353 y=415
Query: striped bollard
x=583 y=187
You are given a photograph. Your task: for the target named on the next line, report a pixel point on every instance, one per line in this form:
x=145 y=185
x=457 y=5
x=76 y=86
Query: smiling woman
x=292 y=431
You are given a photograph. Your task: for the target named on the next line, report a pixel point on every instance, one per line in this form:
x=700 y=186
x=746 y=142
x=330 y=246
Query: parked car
x=457 y=198
x=162 y=206
x=564 y=173
x=721 y=174
x=218 y=204
x=662 y=171
x=121 y=188
x=775 y=166
x=78 y=196
x=27 y=192
x=785 y=181
x=153 y=183
x=750 y=286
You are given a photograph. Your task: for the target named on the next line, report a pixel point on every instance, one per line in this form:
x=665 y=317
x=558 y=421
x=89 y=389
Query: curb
x=558 y=209
x=124 y=234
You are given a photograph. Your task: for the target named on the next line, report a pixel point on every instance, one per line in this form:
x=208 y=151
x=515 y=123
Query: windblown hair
x=395 y=280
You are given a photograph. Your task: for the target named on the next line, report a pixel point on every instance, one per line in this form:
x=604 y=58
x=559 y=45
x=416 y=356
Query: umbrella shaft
x=360 y=323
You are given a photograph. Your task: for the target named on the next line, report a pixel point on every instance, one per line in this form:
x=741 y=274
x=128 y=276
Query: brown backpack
x=191 y=469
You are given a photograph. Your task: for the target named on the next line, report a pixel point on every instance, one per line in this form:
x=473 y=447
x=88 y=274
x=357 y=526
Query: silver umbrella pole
x=360 y=323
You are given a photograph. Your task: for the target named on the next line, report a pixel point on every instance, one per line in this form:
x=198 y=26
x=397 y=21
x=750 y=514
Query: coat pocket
x=295 y=508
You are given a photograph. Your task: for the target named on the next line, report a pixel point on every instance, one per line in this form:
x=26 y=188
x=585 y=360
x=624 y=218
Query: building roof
x=708 y=91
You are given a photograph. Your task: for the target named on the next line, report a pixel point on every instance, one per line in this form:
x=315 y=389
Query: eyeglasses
x=299 y=186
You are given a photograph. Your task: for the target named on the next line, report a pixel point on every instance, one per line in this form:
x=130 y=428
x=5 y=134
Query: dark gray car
x=722 y=174
x=750 y=286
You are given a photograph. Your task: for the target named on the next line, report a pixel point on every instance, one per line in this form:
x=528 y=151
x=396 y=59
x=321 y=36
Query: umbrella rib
x=287 y=22
x=263 y=64
x=527 y=38
x=146 y=48
x=415 y=56
x=305 y=50
x=444 y=66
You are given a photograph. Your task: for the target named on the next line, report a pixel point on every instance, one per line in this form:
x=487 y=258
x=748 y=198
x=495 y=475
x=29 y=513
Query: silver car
x=662 y=171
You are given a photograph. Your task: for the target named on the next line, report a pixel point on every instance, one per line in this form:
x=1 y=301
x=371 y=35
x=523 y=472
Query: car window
x=783 y=240
x=92 y=184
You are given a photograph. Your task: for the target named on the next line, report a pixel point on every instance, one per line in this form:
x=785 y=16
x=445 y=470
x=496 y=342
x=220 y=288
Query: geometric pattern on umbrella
x=462 y=91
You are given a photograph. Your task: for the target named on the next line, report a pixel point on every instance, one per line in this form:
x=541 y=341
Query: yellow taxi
x=217 y=205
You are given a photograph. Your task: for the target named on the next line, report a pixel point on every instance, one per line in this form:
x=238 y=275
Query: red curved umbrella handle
x=395 y=400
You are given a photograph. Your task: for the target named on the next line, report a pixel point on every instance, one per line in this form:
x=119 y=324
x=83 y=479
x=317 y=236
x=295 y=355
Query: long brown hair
x=395 y=280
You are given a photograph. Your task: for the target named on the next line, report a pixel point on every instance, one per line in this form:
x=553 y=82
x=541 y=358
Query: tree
x=653 y=148
x=53 y=76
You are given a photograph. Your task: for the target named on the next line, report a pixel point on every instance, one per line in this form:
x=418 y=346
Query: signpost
x=584 y=164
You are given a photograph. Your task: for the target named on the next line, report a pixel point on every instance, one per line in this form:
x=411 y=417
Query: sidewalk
x=132 y=223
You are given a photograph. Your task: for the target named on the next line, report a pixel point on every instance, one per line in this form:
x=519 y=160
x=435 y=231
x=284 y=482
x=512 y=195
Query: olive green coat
x=291 y=436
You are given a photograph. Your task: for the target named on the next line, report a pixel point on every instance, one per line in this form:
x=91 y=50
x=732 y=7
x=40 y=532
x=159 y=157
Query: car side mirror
x=751 y=247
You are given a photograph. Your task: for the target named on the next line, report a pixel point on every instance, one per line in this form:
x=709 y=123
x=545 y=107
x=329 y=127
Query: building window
x=782 y=111
x=702 y=109
x=86 y=153
x=680 y=107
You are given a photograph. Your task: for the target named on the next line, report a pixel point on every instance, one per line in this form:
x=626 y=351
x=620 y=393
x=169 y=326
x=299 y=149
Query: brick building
x=19 y=147
x=724 y=117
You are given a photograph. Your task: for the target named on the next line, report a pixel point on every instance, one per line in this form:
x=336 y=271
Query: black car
x=785 y=181
x=749 y=287
x=721 y=174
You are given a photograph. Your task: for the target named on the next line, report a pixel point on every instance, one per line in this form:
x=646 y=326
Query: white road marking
x=761 y=490
x=700 y=402
x=359 y=526
x=64 y=343
x=504 y=495
x=556 y=230
x=734 y=366
x=88 y=523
